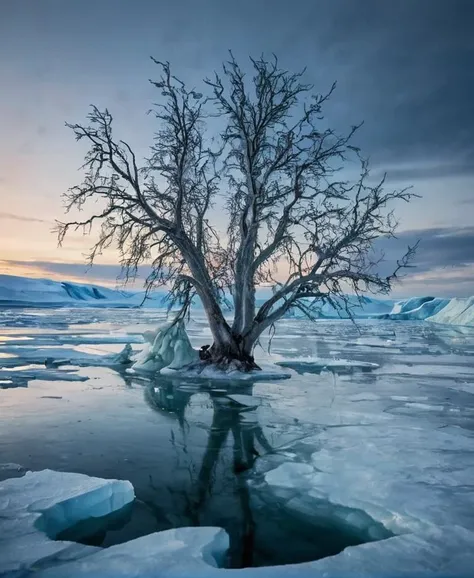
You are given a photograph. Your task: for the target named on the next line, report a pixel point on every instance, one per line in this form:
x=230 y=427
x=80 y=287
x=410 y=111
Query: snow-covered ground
x=371 y=468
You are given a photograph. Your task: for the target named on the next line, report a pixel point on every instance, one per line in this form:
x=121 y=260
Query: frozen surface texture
x=379 y=444
x=42 y=504
x=456 y=312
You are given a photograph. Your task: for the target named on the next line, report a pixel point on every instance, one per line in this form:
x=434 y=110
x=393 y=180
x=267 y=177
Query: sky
x=405 y=68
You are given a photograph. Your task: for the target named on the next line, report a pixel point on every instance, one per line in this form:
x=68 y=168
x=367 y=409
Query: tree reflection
x=230 y=417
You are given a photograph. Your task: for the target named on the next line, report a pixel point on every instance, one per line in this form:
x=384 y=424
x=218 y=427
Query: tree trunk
x=229 y=351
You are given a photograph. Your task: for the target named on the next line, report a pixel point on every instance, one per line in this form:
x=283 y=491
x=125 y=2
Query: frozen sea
x=371 y=438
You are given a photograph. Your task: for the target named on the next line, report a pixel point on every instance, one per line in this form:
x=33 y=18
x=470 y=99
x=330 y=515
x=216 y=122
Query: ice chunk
x=316 y=364
x=57 y=356
x=291 y=475
x=399 y=476
x=125 y=356
x=20 y=378
x=41 y=504
x=183 y=552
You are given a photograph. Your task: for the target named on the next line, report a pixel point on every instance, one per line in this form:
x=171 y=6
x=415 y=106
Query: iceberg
x=360 y=307
x=456 y=312
x=416 y=308
x=36 y=508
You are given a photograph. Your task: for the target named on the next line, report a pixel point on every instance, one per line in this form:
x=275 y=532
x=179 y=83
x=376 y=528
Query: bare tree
x=292 y=223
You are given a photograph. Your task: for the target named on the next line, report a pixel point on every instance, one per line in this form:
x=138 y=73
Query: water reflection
x=231 y=418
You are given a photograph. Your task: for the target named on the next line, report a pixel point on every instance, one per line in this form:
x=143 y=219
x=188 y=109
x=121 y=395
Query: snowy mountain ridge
x=18 y=291
x=27 y=292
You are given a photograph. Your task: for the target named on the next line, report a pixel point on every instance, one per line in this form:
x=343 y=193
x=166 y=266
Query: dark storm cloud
x=405 y=67
x=438 y=248
x=424 y=172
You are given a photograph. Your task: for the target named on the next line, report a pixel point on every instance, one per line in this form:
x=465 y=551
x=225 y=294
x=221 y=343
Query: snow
x=457 y=312
x=267 y=371
x=36 y=507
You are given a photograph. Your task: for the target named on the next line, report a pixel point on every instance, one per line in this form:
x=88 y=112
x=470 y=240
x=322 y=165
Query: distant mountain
x=26 y=292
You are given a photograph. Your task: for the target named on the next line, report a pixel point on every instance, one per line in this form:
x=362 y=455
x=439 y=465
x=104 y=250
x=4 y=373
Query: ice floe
x=317 y=364
x=36 y=507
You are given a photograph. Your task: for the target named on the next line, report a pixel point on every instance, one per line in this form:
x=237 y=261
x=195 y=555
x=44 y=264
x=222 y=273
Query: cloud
x=100 y=273
x=424 y=172
x=23 y=218
x=443 y=264
x=438 y=247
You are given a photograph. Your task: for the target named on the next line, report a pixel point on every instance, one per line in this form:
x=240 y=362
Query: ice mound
x=42 y=504
x=456 y=312
x=169 y=347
